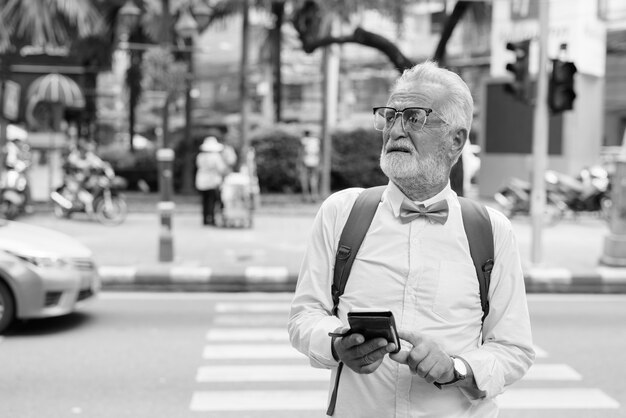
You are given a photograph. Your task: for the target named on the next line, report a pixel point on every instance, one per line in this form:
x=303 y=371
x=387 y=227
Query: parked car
x=43 y=273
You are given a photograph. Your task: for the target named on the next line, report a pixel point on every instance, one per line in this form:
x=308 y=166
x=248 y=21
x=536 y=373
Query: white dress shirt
x=424 y=274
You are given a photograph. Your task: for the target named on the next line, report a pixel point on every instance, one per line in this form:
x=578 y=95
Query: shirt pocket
x=458 y=295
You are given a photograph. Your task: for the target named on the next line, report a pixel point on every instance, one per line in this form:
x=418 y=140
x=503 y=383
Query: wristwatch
x=460 y=372
x=460 y=369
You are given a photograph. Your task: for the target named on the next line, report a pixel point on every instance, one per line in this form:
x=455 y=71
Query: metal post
x=329 y=112
x=614 y=252
x=165 y=160
x=187 y=186
x=3 y=121
x=540 y=137
x=243 y=82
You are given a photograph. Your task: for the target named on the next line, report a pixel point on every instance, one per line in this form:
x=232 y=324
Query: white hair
x=457 y=109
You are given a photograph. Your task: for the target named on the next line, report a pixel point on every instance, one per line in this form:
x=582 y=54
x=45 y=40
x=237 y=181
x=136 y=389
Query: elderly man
x=420 y=270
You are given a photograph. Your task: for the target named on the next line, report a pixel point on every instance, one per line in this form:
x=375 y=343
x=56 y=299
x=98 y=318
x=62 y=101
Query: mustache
x=399 y=146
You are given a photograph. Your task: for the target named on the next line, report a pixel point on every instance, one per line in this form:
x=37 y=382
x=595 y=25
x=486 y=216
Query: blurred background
x=258 y=73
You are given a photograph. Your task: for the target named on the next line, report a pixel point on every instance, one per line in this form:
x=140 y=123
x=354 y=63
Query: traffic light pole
x=540 y=138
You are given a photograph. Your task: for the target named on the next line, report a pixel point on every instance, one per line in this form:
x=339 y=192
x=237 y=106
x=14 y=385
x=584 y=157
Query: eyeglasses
x=413 y=118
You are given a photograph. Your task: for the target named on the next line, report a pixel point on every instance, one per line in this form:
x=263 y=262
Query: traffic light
x=561 y=93
x=520 y=87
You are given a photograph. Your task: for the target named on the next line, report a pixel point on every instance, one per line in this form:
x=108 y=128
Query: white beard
x=405 y=170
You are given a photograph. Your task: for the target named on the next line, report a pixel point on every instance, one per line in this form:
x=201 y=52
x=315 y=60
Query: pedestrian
x=211 y=170
x=420 y=269
x=309 y=166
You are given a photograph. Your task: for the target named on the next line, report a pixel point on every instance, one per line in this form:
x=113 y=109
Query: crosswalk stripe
x=560 y=398
x=248 y=351
x=552 y=372
x=262 y=373
x=252 y=307
x=248 y=334
x=314 y=400
x=260 y=320
x=259 y=400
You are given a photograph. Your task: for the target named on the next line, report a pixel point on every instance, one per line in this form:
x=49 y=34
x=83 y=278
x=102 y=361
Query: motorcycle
x=13 y=190
x=514 y=199
x=100 y=196
x=587 y=192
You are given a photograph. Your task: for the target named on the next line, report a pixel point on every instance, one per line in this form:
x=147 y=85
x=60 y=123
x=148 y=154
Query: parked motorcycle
x=13 y=190
x=514 y=200
x=100 y=197
x=588 y=192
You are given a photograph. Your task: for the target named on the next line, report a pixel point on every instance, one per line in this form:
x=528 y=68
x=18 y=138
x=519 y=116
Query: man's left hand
x=426 y=359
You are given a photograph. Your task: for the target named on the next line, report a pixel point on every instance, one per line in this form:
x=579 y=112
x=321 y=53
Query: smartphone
x=375 y=325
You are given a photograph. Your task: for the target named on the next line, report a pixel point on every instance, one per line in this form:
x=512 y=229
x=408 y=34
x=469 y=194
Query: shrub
x=355 y=159
x=277 y=153
x=141 y=165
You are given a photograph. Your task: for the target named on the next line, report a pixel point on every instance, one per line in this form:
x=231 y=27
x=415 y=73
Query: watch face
x=459 y=368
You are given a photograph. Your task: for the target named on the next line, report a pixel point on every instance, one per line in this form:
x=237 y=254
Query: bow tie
x=437 y=212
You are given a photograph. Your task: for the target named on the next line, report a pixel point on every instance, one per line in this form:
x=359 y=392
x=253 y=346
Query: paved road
x=227 y=355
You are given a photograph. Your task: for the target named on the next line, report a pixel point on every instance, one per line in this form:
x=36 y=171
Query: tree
x=47 y=23
x=309 y=22
x=310 y=19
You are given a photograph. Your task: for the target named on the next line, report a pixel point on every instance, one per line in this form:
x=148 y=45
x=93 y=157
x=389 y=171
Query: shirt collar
x=396 y=196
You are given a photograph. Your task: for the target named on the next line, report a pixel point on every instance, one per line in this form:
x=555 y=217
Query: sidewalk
x=267 y=256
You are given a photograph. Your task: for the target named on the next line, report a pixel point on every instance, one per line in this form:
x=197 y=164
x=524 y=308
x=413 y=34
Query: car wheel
x=7 y=307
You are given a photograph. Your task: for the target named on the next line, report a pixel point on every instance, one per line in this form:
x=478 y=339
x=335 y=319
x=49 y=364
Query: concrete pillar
x=614 y=253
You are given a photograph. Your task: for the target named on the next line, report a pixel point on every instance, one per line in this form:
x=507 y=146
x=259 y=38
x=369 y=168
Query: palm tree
x=46 y=23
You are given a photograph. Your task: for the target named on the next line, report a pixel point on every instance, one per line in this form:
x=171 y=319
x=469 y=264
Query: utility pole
x=243 y=83
x=329 y=110
x=540 y=137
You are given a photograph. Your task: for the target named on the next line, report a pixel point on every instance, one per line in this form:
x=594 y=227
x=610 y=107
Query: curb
x=279 y=279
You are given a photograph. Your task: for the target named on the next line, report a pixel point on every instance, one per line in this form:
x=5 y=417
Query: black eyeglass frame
x=401 y=112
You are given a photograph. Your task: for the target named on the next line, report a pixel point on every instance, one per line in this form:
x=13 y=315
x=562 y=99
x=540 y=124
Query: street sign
x=11 y=100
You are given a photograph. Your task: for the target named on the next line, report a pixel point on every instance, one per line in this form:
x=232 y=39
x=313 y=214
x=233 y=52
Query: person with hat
x=211 y=170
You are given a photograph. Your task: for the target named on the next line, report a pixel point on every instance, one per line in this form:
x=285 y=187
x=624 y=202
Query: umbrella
x=56 y=88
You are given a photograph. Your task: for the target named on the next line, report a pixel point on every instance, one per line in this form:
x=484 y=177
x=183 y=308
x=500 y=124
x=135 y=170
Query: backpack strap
x=351 y=238
x=479 y=233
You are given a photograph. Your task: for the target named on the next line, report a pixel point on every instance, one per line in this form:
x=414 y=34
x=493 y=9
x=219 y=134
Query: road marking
x=574 y=298
x=550 y=275
x=248 y=334
x=114 y=274
x=183 y=274
x=552 y=372
x=248 y=352
x=612 y=274
x=570 y=398
x=259 y=400
x=251 y=320
x=314 y=400
x=260 y=274
x=252 y=307
x=217 y=296
x=262 y=373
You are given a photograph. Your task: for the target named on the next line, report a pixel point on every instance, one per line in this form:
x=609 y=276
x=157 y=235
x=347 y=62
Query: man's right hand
x=361 y=356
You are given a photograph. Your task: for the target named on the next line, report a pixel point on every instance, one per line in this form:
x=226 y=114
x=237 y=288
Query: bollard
x=165 y=158
x=614 y=253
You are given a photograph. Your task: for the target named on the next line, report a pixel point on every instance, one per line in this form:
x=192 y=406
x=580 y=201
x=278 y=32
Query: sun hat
x=210 y=144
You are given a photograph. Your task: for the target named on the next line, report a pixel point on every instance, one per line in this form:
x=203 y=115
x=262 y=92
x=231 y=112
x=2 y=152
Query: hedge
x=354 y=161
